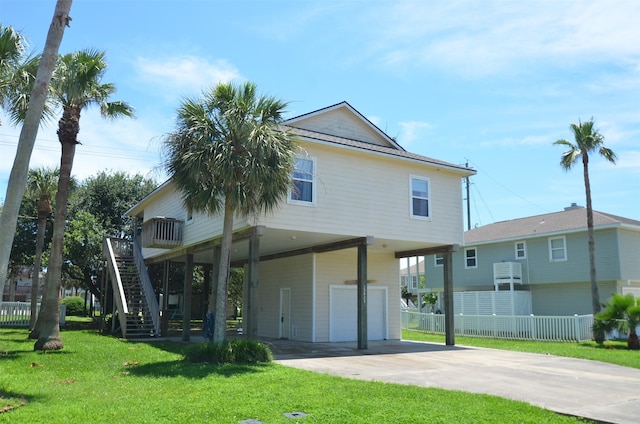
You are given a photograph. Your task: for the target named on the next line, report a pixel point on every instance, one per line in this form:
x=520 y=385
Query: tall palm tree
x=29 y=131
x=76 y=86
x=42 y=183
x=587 y=140
x=228 y=155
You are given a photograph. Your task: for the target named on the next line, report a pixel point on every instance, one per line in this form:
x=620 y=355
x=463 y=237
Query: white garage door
x=343 y=313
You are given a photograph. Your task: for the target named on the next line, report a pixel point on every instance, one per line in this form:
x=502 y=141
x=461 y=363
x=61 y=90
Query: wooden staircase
x=137 y=307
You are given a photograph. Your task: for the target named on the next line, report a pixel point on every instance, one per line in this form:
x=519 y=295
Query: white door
x=285 y=313
x=343 y=313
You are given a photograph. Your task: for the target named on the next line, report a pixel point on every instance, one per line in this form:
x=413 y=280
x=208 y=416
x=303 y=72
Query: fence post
x=576 y=326
x=534 y=334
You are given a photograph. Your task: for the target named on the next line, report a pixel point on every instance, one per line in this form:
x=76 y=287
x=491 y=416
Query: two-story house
x=547 y=256
x=358 y=203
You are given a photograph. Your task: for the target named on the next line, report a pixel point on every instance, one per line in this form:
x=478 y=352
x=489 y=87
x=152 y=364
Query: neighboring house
x=548 y=256
x=18 y=287
x=357 y=196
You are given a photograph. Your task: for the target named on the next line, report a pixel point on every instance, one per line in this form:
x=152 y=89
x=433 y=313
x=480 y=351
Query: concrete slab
x=594 y=390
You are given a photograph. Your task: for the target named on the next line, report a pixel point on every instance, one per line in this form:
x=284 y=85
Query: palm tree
x=42 y=183
x=587 y=141
x=228 y=155
x=76 y=86
x=29 y=131
x=622 y=313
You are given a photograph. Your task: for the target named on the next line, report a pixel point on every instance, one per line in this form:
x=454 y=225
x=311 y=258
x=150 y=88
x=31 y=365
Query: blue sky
x=491 y=83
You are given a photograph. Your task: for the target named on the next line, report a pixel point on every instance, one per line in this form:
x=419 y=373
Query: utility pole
x=466 y=179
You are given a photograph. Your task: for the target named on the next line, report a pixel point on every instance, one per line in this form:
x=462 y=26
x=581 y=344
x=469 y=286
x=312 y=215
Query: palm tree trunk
x=35 y=281
x=48 y=325
x=598 y=335
x=220 y=323
x=20 y=169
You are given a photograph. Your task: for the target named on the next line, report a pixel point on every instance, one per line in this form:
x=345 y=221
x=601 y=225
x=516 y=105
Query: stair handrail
x=119 y=295
x=147 y=287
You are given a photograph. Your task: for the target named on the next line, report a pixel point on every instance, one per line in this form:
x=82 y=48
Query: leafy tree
x=107 y=196
x=587 y=141
x=622 y=313
x=31 y=121
x=78 y=85
x=42 y=185
x=228 y=155
x=236 y=283
x=83 y=248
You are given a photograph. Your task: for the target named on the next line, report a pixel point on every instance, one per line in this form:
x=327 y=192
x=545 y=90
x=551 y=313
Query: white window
x=557 y=249
x=420 y=198
x=303 y=179
x=470 y=258
x=439 y=259
x=521 y=249
x=189 y=217
x=414 y=282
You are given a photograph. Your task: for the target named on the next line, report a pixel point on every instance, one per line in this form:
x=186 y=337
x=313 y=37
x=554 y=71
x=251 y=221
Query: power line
x=87 y=151
x=507 y=189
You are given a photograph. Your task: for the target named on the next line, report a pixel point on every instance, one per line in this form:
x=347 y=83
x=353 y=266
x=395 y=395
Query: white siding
x=201 y=228
x=369 y=194
x=335 y=268
x=294 y=273
x=339 y=123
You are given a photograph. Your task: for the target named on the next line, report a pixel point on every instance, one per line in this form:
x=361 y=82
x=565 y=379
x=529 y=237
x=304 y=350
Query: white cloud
x=411 y=131
x=479 y=38
x=183 y=75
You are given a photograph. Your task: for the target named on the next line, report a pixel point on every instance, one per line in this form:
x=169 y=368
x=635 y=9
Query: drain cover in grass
x=295 y=414
x=251 y=421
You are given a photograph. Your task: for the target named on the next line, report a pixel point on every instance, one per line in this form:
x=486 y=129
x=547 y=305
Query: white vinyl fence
x=18 y=314
x=518 y=327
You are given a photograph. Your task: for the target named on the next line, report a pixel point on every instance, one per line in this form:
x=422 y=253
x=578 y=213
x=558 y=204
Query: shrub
x=229 y=352
x=75 y=306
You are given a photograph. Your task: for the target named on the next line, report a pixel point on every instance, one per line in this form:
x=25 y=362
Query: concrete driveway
x=598 y=391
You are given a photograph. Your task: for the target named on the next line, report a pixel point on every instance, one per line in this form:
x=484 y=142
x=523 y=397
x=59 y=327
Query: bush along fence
x=517 y=327
x=18 y=314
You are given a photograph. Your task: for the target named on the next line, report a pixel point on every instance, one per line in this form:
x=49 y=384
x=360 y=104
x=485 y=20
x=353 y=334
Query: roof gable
x=571 y=219
x=342 y=120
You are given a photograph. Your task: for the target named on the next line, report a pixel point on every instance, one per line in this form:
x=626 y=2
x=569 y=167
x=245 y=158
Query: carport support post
x=164 y=322
x=449 y=328
x=252 y=298
x=362 y=296
x=186 y=307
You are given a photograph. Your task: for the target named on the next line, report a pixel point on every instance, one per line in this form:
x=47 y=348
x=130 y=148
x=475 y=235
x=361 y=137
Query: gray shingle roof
x=313 y=135
x=571 y=219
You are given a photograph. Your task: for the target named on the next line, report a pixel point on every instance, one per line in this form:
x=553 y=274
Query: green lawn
x=614 y=352
x=101 y=379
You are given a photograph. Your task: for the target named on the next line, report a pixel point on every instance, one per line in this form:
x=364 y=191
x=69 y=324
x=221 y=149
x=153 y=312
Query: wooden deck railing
x=163 y=233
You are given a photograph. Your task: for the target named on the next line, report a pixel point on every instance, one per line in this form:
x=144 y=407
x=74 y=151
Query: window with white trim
x=557 y=249
x=471 y=258
x=438 y=259
x=303 y=181
x=414 y=282
x=521 y=249
x=420 y=197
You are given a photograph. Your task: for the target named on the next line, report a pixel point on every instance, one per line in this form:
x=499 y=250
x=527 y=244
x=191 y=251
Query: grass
x=101 y=379
x=613 y=352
